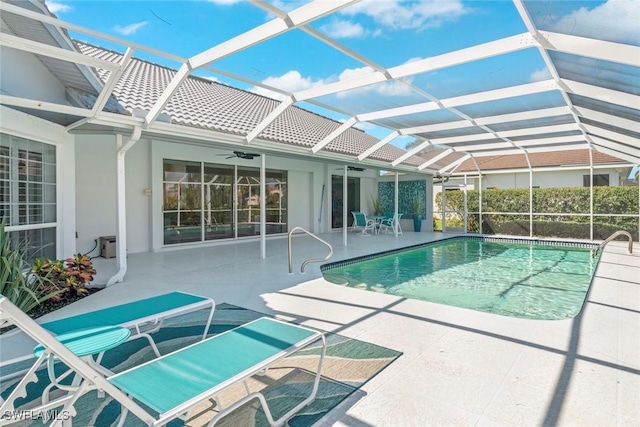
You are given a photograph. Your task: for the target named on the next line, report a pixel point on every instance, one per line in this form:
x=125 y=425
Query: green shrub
x=568 y=200
x=17 y=280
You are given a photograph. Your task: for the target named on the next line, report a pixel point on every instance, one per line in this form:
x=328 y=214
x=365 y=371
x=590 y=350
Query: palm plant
x=17 y=281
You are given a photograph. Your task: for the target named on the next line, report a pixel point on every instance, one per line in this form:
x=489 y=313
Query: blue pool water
x=513 y=278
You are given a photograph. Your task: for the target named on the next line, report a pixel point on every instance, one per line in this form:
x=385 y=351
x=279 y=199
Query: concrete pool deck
x=459 y=367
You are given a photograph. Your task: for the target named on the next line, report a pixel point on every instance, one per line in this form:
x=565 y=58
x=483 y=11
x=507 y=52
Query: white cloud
x=614 y=20
x=127 y=30
x=402 y=14
x=392 y=88
x=343 y=29
x=57 y=7
x=351 y=73
x=540 y=75
x=291 y=81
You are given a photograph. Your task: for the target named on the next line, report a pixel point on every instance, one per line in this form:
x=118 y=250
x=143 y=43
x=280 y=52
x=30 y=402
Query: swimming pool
x=511 y=277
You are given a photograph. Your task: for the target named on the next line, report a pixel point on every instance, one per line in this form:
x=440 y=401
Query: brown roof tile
x=556 y=158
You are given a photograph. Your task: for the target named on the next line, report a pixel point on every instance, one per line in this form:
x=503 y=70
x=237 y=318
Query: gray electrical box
x=108 y=246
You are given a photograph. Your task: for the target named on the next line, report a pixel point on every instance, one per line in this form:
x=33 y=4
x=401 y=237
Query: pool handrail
x=310 y=259
x=613 y=236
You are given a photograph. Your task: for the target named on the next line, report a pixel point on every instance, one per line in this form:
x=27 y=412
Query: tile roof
x=211 y=105
x=550 y=159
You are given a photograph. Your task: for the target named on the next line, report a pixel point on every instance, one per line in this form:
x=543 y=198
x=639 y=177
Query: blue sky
x=388 y=32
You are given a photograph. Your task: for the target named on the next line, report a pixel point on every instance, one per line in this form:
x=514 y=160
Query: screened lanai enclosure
x=437 y=95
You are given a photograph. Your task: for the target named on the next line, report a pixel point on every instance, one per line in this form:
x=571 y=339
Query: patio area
x=459 y=367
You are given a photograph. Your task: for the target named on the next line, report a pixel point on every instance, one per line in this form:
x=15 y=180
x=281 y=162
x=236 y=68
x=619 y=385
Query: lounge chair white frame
x=141 y=326
x=93 y=379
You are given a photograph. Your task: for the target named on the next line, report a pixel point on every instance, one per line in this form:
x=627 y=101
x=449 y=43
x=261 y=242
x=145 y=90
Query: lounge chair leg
x=123 y=416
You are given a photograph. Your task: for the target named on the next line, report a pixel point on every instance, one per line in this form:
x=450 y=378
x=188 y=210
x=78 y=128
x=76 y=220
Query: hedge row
x=573 y=200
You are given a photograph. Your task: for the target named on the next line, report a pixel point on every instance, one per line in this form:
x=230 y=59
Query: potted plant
x=417 y=215
x=377 y=205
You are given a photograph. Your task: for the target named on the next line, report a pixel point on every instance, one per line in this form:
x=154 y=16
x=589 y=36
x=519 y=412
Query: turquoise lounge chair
x=173 y=384
x=142 y=317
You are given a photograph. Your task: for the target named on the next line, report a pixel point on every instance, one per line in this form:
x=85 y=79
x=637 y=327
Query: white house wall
x=23 y=75
x=546 y=179
x=16 y=123
x=96 y=192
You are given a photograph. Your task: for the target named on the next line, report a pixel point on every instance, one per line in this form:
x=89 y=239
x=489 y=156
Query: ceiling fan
x=353 y=168
x=241 y=155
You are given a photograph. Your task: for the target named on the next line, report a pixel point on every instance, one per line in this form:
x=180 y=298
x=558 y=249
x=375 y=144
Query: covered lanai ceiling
x=560 y=79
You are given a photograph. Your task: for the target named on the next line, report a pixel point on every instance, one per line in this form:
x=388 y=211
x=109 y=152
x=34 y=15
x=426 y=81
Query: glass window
x=28 y=192
x=599 y=180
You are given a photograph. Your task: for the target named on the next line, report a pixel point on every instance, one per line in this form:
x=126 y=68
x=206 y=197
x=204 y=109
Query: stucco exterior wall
x=23 y=75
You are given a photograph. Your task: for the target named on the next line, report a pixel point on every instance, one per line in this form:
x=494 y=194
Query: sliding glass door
x=205 y=201
x=218 y=202
x=182 y=202
x=338 y=199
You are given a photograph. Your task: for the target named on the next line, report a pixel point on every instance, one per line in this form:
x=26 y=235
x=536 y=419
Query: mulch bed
x=50 y=306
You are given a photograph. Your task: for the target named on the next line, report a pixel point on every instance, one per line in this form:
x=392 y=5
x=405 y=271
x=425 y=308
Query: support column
x=344 y=206
x=263 y=207
x=590 y=194
x=395 y=206
x=466 y=207
x=480 y=201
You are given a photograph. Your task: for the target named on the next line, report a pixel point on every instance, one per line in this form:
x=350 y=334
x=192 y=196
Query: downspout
x=121 y=217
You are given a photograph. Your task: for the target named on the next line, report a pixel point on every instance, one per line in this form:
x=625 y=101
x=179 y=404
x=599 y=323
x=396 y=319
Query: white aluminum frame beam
x=44 y=106
x=525 y=143
x=378 y=145
x=614 y=145
x=413 y=151
x=111 y=83
x=450 y=59
x=529 y=23
x=615 y=153
x=488 y=120
x=333 y=135
x=26 y=45
x=270 y=118
x=455 y=164
x=591 y=48
x=491 y=95
x=598 y=116
x=602 y=94
x=297 y=17
x=435 y=159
